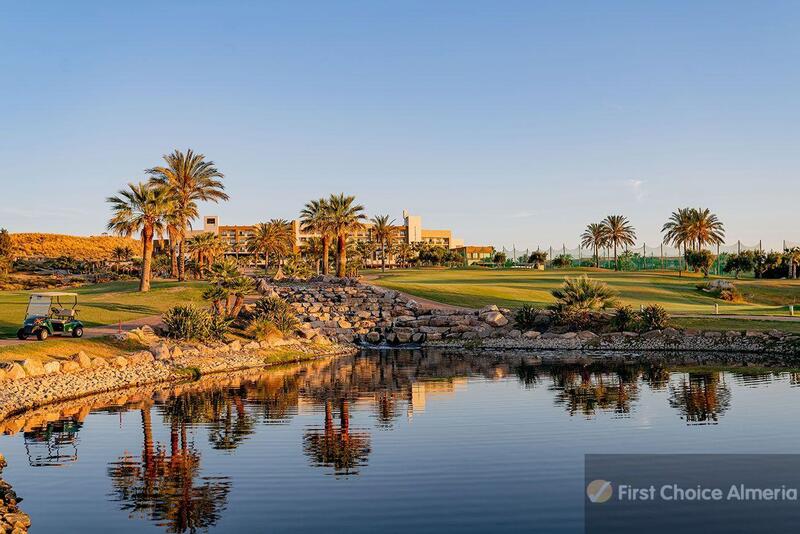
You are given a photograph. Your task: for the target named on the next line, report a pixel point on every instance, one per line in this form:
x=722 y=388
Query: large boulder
x=52 y=367
x=494 y=318
x=14 y=371
x=33 y=367
x=161 y=352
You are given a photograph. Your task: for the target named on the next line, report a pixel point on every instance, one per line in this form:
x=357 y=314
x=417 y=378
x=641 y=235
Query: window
x=211 y=221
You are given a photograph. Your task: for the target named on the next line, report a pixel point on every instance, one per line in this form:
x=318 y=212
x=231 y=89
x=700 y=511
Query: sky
x=511 y=123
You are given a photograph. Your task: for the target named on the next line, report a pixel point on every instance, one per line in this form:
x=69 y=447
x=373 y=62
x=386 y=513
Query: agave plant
x=583 y=293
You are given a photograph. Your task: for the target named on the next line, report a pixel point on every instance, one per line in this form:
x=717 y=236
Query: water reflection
x=166 y=483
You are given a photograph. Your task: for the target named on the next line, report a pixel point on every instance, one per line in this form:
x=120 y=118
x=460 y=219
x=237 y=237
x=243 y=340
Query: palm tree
x=313 y=247
x=140 y=208
x=121 y=253
x=619 y=232
x=206 y=247
x=345 y=217
x=189 y=179
x=273 y=237
x=384 y=232
x=315 y=217
x=677 y=229
x=594 y=237
x=706 y=228
x=404 y=253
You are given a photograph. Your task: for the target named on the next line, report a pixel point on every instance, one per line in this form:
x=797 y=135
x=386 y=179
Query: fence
x=641 y=257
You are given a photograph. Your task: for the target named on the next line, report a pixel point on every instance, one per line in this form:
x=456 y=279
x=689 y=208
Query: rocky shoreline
x=163 y=363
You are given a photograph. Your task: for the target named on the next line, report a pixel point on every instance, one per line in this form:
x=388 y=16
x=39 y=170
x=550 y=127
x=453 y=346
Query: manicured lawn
x=703 y=323
x=104 y=304
x=59 y=349
x=510 y=287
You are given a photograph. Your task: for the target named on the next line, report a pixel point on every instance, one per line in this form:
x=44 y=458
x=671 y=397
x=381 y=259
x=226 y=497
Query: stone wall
x=350 y=311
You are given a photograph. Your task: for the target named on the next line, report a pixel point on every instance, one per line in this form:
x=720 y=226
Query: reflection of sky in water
x=398 y=442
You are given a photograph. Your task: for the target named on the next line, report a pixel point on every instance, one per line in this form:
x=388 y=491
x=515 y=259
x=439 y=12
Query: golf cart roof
x=54 y=294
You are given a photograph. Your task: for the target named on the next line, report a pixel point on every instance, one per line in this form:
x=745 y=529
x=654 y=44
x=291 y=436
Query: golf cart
x=51 y=314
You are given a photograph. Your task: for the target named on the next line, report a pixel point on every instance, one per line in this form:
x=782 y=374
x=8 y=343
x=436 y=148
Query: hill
x=36 y=245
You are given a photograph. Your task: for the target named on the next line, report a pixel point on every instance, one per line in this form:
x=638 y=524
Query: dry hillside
x=81 y=248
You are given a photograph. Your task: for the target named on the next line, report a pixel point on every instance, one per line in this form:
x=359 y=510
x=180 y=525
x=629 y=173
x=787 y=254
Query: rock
x=403 y=337
x=720 y=285
x=99 y=362
x=670 y=332
x=142 y=356
x=568 y=335
x=32 y=367
x=119 y=361
x=52 y=367
x=15 y=372
x=532 y=334
x=586 y=334
x=322 y=340
x=374 y=338
x=253 y=345
x=3 y=375
x=71 y=367
x=754 y=333
x=82 y=359
x=495 y=318
x=177 y=352
x=272 y=339
x=161 y=352
x=712 y=334
x=236 y=345
x=418 y=337
x=651 y=334
x=488 y=309
x=514 y=334
x=342 y=323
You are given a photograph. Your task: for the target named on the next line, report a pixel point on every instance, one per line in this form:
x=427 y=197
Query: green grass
x=703 y=323
x=56 y=348
x=511 y=288
x=104 y=304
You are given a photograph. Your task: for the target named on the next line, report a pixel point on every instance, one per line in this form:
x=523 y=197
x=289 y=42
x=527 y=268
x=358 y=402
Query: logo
x=599 y=491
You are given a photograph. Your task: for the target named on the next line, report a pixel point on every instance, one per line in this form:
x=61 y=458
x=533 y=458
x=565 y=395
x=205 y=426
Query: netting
x=641 y=257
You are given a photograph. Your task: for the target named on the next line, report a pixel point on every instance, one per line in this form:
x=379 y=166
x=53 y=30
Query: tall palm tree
x=346 y=217
x=594 y=237
x=273 y=237
x=404 y=253
x=706 y=228
x=619 y=232
x=140 y=208
x=190 y=179
x=383 y=232
x=315 y=217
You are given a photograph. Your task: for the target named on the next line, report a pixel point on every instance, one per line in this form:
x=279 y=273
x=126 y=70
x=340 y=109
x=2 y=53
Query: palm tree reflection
x=339 y=448
x=700 y=397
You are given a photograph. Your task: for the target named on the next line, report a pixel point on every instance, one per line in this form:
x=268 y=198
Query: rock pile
x=12 y=519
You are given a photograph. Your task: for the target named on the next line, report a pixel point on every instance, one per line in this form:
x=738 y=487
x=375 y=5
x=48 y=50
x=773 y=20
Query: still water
x=385 y=441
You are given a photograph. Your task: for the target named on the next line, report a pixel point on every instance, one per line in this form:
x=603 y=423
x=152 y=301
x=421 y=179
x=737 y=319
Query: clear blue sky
x=509 y=122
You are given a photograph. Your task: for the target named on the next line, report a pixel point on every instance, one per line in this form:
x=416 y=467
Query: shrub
x=562 y=261
x=526 y=316
x=625 y=319
x=261 y=328
x=583 y=293
x=573 y=318
x=218 y=326
x=278 y=312
x=700 y=260
x=187 y=322
x=654 y=317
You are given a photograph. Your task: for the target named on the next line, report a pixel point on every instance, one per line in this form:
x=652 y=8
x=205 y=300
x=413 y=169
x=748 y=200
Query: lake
x=390 y=441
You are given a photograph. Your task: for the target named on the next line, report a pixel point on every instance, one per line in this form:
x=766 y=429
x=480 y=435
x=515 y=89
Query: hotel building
x=411 y=231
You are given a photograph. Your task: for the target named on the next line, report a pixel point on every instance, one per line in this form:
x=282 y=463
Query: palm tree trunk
x=147 y=258
x=596 y=258
x=173 y=260
x=326 y=250
x=238 y=303
x=616 y=264
x=383 y=258
x=341 y=256
x=266 y=261
x=181 y=258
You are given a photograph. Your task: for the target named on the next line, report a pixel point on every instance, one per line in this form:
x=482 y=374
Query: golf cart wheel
x=77 y=331
x=21 y=334
x=42 y=334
